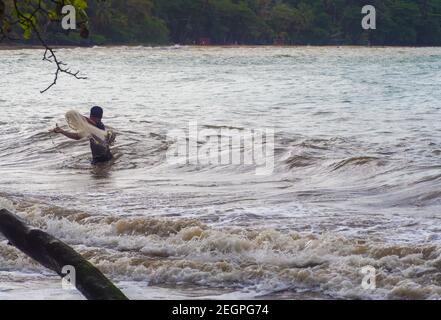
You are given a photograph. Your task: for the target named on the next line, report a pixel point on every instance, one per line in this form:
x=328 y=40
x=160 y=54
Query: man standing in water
x=100 y=153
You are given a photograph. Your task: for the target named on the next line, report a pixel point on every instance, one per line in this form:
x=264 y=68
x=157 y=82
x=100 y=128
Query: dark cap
x=96 y=112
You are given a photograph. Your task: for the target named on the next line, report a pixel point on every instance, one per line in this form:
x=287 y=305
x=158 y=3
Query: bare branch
x=49 y=54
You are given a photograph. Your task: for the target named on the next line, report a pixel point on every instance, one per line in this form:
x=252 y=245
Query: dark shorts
x=102 y=159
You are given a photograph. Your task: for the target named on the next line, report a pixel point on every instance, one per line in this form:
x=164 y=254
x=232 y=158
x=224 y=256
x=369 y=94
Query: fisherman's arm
x=70 y=135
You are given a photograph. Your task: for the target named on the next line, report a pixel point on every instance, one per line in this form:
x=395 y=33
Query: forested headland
x=243 y=22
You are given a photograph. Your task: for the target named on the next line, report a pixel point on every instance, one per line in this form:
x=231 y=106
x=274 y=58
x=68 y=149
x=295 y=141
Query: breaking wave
x=157 y=251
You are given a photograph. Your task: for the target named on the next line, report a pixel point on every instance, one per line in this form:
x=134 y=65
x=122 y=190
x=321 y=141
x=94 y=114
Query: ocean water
x=356 y=179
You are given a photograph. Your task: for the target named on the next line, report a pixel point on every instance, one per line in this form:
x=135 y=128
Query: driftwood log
x=55 y=254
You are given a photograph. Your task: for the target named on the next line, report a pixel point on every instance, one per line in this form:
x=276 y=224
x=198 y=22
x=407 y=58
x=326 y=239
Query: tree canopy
x=315 y=22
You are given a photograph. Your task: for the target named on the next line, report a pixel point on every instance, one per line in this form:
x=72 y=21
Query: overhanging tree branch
x=28 y=22
x=49 y=54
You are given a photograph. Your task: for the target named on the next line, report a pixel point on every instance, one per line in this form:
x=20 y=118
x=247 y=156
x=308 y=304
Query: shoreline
x=38 y=47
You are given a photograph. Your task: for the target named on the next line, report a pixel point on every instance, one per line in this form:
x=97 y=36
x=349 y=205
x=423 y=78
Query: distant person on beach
x=100 y=153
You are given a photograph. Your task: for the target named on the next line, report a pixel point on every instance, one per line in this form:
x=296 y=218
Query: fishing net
x=84 y=129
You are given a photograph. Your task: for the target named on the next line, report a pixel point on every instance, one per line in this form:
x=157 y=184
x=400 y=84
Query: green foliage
x=26 y=25
x=26 y=18
x=399 y=22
